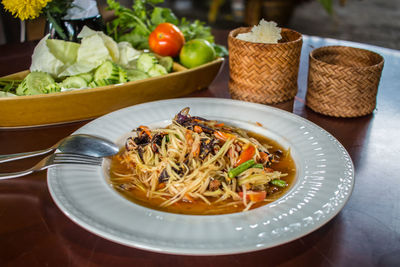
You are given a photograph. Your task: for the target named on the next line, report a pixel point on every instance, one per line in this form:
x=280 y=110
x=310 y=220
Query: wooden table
x=34 y=232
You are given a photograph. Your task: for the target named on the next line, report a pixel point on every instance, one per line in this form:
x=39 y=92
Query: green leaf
x=155 y=2
x=139 y=41
x=56 y=25
x=139 y=9
x=196 y=30
x=160 y=15
x=112 y=5
x=328 y=5
x=220 y=50
x=135 y=24
x=8 y=85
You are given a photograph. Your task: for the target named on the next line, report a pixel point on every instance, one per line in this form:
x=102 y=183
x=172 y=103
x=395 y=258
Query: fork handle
x=15 y=174
x=11 y=157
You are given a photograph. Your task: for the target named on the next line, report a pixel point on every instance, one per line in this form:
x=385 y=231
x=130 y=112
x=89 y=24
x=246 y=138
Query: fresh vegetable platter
x=91 y=103
x=145 y=54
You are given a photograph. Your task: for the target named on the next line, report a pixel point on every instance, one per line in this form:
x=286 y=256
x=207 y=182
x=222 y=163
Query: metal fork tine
x=55 y=159
x=75 y=156
x=74 y=161
x=67 y=158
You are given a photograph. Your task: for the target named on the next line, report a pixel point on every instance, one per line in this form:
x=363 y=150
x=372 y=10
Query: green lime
x=196 y=52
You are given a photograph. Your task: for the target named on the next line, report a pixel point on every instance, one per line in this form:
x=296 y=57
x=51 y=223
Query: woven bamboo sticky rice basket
x=264 y=73
x=343 y=81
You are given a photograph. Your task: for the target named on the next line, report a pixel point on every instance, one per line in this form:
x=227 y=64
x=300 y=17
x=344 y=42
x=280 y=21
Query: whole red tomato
x=166 y=40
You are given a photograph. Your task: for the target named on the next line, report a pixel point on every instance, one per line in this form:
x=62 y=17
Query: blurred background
x=375 y=22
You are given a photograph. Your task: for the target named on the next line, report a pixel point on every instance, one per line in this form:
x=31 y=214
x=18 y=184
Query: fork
x=53 y=160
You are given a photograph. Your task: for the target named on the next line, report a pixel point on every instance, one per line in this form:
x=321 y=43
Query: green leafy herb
x=135 y=24
x=8 y=85
x=195 y=30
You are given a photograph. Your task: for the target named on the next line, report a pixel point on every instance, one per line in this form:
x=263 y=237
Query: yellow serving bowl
x=23 y=111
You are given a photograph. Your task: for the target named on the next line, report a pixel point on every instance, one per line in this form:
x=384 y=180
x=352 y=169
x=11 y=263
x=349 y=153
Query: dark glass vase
x=71 y=28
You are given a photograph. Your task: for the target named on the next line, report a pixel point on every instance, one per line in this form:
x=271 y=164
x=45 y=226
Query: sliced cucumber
x=108 y=71
x=22 y=88
x=146 y=61
x=167 y=63
x=52 y=88
x=99 y=83
x=34 y=83
x=135 y=75
x=88 y=77
x=74 y=82
x=157 y=70
x=123 y=76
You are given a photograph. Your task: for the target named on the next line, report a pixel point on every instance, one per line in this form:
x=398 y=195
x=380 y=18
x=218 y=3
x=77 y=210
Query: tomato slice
x=255 y=196
x=247 y=154
x=166 y=40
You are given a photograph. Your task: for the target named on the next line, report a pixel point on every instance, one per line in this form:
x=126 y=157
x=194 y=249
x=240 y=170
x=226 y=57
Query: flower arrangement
x=53 y=10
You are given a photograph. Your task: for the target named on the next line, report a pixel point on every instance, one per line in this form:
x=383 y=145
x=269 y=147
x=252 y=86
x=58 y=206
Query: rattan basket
x=264 y=73
x=343 y=81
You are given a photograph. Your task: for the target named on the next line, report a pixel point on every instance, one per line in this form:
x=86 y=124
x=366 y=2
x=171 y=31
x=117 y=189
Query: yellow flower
x=25 y=9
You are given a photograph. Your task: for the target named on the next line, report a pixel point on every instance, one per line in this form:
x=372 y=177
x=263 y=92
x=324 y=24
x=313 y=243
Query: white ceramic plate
x=325 y=179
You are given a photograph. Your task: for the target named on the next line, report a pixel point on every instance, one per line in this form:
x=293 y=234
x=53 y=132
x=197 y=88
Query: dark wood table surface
x=34 y=232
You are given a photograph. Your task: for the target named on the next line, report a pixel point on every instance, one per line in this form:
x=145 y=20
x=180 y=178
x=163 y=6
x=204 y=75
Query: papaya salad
x=200 y=166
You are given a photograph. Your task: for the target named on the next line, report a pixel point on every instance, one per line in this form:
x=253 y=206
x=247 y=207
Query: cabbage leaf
x=127 y=55
x=44 y=60
x=63 y=58
x=64 y=51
